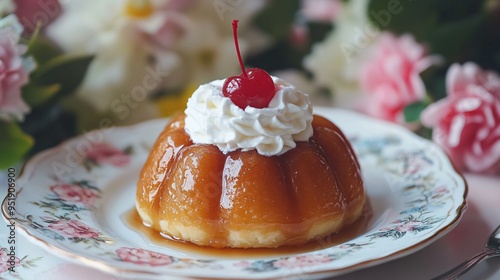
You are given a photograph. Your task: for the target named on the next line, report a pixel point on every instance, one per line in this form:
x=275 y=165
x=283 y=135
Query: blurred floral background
x=69 y=66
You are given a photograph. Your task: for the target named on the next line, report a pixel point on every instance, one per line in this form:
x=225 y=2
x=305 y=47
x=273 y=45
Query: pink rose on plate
x=141 y=256
x=466 y=124
x=242 y=264
x=302 y=261
x=14 y=70
x=5 y=261
x=440 y=191
x=409 y=226
x=390 y=76
x=75 y=193
x=74 y=228
x=104 y=153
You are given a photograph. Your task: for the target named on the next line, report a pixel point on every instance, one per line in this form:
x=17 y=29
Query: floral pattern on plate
x=415 y=194
x=143 y=257
x=106 y=154
x=10 y=264
x=70 y=196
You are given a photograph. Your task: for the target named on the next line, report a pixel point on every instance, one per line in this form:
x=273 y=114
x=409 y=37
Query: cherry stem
x=237 y=46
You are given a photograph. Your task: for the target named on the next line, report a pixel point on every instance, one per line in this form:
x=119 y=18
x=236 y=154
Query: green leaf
x=454 y=39
x=412 y=111
x=36 y=95
x=435 y=83
x=280 y=56
x=67 y=70
x=454 y=31
x=416 y=17
x=450 y=11
x=43 y=50
x=424 y=132
x=14 y=144
x=496 y=56
x=49 y=124
x=277 y=17
x=318 y=31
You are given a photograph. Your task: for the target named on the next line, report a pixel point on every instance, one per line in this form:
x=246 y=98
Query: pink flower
x=75 y=194
x=141 y=256
x=408 y=226
x=74 y=228
x=299 y=35
x=104 y=153
x=242 y=264
x=440 y=192
x=302 y=261
x=414 y=163
x=6 y=260
x=173 y=25
x=467 y=122
x=321 y=10
x=469 y=78
x=313 y=11
x=34 y=12
x=390 y=77
x=13 y=70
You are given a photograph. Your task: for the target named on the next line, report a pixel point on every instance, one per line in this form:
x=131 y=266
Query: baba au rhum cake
x=243 y=183
x=249 y=166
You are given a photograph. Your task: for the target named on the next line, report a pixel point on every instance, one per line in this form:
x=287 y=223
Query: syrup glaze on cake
x=197 y=193
x=248 y=166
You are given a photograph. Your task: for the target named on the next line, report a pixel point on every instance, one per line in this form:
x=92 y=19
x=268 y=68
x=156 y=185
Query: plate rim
x=28 y=168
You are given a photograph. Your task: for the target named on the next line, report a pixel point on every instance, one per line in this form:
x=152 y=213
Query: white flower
x=6 y=7
x=335 y=62
x=128 y=39
x=207 y=50
x=175 y=42
x=303 y=83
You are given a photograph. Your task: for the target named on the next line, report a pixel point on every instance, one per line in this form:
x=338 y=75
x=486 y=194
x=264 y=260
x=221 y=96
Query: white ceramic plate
x=71 y=200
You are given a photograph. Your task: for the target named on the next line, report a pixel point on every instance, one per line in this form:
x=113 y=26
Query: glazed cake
x=248 y=165
x=213 y=180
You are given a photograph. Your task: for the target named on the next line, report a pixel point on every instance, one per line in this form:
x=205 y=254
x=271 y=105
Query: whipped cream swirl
x=212 y=118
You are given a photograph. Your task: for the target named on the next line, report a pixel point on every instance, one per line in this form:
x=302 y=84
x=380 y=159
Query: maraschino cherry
x=254 y=87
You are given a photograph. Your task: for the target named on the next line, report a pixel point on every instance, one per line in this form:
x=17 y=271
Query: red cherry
x=256 y=91
x=254 y=87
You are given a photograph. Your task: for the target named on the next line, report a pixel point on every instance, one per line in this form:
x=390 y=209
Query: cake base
x=256 y=236
x=197 y=194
